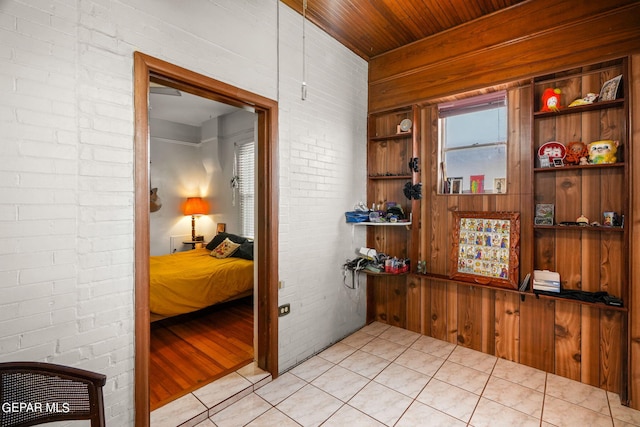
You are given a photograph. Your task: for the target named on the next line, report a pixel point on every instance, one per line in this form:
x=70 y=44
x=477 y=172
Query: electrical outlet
x=284 y=309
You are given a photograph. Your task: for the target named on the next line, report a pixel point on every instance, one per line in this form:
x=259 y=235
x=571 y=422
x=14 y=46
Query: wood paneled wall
x=578 y=342
x=574 y=341
x=530 y=38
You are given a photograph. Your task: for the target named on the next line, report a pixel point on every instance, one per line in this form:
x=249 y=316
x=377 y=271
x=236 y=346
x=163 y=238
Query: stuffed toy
x=551 y=99
x=603 y=151
x=576 y=151
x=589 y=98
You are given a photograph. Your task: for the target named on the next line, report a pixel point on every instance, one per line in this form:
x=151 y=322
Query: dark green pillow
x=245 y=251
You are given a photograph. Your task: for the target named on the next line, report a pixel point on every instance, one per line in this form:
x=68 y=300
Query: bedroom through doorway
x=264 y=275
x=194 y=152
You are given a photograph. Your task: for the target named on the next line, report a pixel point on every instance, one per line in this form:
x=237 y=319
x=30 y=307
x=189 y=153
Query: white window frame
x=472 y=104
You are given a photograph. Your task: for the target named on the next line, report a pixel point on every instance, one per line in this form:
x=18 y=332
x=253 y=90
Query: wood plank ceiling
x=372 y=27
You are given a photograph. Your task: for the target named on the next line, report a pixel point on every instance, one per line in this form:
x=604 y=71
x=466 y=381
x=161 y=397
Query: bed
x=189 y=281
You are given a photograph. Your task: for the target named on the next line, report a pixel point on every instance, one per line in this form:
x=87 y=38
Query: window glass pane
x=479 y=127
x=473 y=144
x=460 y=163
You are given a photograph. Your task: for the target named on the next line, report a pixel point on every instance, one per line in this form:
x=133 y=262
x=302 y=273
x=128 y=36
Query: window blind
x=245 y=171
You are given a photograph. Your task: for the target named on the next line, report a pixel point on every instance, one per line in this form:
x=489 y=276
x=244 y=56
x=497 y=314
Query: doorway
x=147 y=69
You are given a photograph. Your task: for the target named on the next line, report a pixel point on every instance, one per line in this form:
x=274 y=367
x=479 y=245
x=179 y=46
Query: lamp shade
x=196 y=206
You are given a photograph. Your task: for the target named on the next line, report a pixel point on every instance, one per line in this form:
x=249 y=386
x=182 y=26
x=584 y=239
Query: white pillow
x=225 y=249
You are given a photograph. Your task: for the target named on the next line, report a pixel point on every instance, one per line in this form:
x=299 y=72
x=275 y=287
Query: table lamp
x=195 y=206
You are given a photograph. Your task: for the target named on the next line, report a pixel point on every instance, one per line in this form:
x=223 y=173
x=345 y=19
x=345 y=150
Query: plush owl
x=551 y=99
x=603 y=151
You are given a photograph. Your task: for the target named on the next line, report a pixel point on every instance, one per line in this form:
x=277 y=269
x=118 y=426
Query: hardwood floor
x=192 y=350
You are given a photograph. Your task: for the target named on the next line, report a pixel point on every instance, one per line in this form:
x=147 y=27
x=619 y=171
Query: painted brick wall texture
x=66 y=169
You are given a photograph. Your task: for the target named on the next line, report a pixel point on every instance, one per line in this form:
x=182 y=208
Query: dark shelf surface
x=390 y=176
x=392 y=136
x=523 y=294
x=580 y=228
x=576 y=167
x=580 y=109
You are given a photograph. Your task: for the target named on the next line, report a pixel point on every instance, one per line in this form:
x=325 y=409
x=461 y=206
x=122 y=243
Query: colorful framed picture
x=477 y=184
x=486 y=248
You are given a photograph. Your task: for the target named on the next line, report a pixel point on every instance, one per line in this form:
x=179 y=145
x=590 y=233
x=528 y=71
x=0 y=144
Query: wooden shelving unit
x=389 y=153
x=591 y=258
x=587 y=190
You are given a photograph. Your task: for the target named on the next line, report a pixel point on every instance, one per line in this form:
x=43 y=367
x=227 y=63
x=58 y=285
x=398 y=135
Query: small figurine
x=551 y=99
x=576 y=151
x=582 y=220
x=603 y=151
x=589 y=98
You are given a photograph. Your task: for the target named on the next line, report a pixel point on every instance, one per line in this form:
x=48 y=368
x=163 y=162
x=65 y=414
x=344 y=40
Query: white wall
x=66 y=211
x=178 y=171
x=235 y=128
x=322 y=175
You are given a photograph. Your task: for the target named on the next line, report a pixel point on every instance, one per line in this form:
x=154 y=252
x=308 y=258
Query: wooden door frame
x=147 y=68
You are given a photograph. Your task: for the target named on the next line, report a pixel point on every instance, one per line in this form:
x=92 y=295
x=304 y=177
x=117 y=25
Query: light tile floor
x=387 y=376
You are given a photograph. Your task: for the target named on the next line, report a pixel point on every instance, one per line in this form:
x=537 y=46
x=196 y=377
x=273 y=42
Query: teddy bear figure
x=603 y=151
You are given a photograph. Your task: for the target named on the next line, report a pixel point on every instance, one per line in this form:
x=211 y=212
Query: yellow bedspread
x=188 y=281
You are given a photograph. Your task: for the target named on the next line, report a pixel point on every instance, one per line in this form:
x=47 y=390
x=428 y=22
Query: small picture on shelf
x=544 y=162
x=610 y=89
x=500 y=185
x=477 y=184
x=544 y=214
x=557 y=162
x=454 y=185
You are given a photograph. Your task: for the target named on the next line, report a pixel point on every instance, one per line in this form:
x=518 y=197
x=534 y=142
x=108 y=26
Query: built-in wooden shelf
x=523 y=294
x=574 y=167
x=580 y=228
x=392 y=136
x=390 y=177
x=580 y=109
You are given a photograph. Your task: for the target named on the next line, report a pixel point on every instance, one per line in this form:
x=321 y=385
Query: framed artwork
x=544 y=161
x=454 y=185
x=486 y=248
x=477 y=183
x=500 y=185
x=609 y=90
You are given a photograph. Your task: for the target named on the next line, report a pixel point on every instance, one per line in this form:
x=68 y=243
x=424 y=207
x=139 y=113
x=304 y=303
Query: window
x=473 y=144
x=245 y=172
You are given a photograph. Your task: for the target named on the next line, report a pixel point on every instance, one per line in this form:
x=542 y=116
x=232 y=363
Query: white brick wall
x=66 y=174
x=323 y=169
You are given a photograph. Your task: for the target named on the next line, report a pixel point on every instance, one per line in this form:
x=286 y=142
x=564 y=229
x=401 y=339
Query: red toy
x=551 y=99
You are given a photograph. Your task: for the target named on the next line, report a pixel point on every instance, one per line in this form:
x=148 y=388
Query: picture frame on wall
x=486 y=248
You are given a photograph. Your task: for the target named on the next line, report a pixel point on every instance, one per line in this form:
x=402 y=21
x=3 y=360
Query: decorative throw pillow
x=225 y=249
x=221 y=236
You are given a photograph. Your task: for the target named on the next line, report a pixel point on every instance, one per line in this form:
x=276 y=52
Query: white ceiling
x=187 y=109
